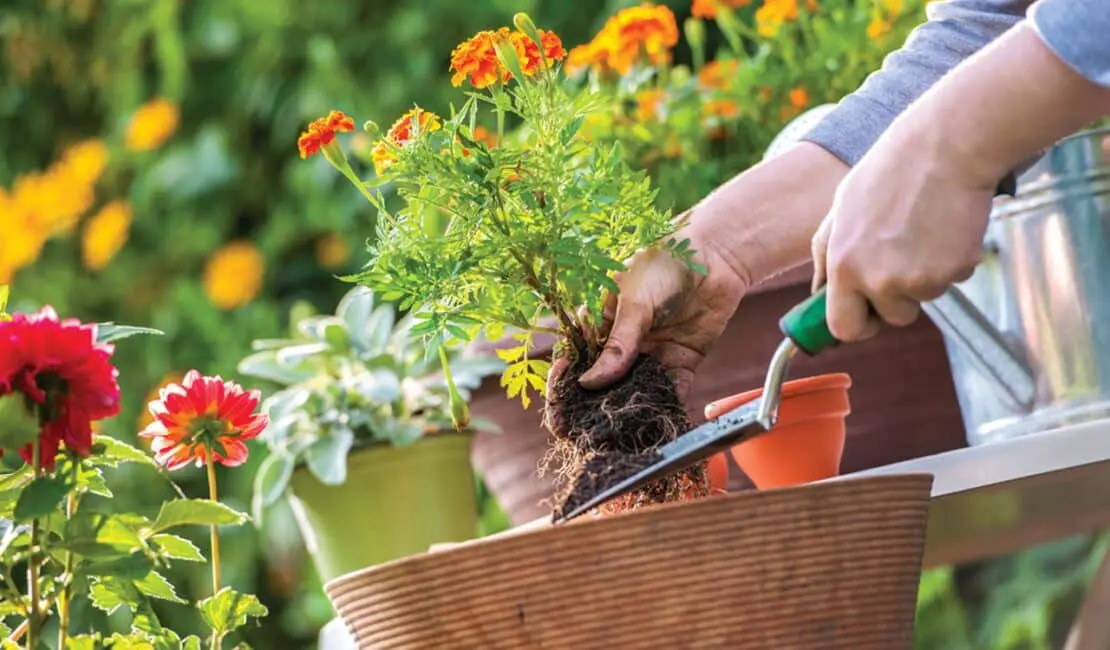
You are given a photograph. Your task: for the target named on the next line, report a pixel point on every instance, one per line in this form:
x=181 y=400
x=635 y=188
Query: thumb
x=631 y=322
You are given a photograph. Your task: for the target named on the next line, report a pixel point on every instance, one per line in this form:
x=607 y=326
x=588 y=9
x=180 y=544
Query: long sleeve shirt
x=1077 y=31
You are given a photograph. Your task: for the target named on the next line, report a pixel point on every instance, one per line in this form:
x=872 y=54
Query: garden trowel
x=805 y=328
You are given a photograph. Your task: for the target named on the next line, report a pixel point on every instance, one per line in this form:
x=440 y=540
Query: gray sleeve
x=1077 y=31
x=955 y=30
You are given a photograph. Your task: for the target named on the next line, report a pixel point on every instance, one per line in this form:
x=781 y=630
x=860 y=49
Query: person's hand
x=906 y=223
x=667 y=310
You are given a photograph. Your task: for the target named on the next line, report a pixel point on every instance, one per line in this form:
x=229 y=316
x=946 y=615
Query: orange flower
x=774 y=13
x=476 y=59
x=799 y=97
x=529 y=51
x=726 y=109
x=202 y=415
x=708 y=8
x=485 y=136
x=648 y=104
x=645 y=31
x=400 y=134
x=321 y=132
x=718 y=74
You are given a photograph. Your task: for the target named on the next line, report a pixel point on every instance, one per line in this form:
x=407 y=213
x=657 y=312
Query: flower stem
x=63 y=602
x=212 y=495
x=33 y=622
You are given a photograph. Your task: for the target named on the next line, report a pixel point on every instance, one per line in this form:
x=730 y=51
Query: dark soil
x=603 y=437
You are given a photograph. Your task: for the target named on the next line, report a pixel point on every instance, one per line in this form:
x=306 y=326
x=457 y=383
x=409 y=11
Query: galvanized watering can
x=1028 y=335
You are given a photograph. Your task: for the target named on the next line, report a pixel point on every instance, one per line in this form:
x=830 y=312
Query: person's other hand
x=667 y=310
x=906 y=223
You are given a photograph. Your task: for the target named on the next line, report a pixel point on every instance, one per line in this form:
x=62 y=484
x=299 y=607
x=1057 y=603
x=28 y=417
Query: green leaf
x=273 y=477
x=191 y=643
x=110 y=593
x=43 y=496
x=265 y=365
x=185 y=512
x=109 y=332
x=127 y=568
x=156 y=585
x=115 y=451
x=228 y=610
x=18 y=424
x=327 y=457
x=176 y=548
x=99 y=534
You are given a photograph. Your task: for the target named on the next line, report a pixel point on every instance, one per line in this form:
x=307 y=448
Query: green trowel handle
x=807 y=325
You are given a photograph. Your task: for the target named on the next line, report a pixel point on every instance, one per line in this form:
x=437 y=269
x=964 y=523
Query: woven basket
x=830 y=566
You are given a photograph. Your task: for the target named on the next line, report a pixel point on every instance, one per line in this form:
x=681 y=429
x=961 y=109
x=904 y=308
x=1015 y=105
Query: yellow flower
x=332 y=252
x=84 y=162
x=105 y=234
x=877 y=27
x=21 y=239
x=770 y=17
x=233 y=275
x=151 y=125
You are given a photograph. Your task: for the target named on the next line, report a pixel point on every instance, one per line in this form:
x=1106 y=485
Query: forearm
x=956 y=29
x=1003 y=106
x=762 y=221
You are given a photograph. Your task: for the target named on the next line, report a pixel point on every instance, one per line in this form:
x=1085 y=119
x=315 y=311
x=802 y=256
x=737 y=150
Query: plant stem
x=215 y=559
x=33 y=622
x=19 y=631
x=63 y=603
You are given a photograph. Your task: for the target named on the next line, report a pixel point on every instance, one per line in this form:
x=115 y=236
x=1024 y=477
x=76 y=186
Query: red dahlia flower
x=201 y=414
x=66 y=377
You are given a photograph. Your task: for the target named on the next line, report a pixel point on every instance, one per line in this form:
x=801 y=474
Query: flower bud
x=371 y=127
x=695 y=32
x=507 y=54
x=524 y=23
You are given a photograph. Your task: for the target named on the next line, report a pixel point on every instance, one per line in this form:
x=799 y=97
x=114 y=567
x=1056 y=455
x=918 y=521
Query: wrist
x=761 y=222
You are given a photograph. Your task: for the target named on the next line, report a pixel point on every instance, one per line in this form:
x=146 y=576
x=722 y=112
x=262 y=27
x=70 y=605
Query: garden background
x=155 y=140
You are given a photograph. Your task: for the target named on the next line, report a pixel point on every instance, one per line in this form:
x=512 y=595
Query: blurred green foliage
x=248 y=75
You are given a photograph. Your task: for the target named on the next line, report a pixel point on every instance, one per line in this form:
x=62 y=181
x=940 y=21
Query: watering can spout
x=960 y=321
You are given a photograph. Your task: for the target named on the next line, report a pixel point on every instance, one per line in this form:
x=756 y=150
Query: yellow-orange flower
x=647 y=31
x=151 y=125
x=648 y=103
x=400 y=134
x=21 y=239
x=332 y=252
x=485 y=136
x=321 y=132
x=476 y=58
x=718 y=74
x=709 y=8
x=770 y=17
x=725 y=109
x=84 y=162
x=233 y=275
x=105 y=234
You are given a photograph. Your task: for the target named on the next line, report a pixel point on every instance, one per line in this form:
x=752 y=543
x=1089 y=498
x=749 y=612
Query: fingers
x=631 y=322
x=819 y=249
x=848 y=311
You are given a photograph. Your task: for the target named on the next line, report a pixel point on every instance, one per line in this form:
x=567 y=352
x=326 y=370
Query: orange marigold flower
x=721 y=108
x=708 y=8
x=529 y=51
x=476 y=60
x=321 y=132
x=400 y=134
x=647 y=30
x=203 y=415
x=774 y=13
x=485 y=136
x=718 y=74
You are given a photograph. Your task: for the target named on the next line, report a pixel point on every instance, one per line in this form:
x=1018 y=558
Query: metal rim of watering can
x=953 y=313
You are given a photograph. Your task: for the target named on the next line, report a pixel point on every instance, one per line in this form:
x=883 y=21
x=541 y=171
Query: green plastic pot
x=396 y=501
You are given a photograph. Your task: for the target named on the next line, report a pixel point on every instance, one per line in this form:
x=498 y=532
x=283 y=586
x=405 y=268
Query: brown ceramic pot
x=832 y=566
x=903 y=401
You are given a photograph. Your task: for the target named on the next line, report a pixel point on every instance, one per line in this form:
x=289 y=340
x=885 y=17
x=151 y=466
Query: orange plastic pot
x=806 y=443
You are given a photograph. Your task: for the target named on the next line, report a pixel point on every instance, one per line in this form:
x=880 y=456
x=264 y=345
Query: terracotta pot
x=833 y=566
x=806 y=443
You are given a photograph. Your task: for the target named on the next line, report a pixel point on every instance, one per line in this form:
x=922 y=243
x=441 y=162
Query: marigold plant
x=522 y=235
